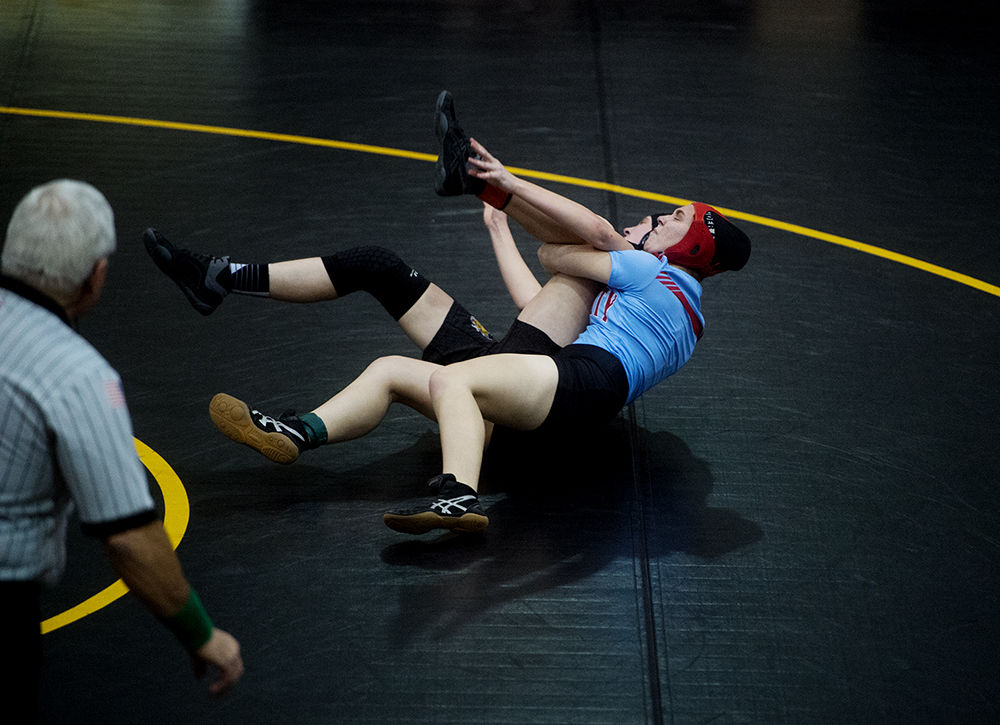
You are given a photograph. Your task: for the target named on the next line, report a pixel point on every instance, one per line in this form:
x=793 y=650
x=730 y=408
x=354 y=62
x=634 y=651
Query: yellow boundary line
x=175 y=520
x=541 y=175
x=177 y=511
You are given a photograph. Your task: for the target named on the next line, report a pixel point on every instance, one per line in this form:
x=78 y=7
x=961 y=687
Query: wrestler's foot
x=281 y=439
x=455 y=508
x=451 y=174
x=203 y=280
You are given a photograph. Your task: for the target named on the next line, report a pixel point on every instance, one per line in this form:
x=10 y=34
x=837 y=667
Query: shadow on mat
x=562 y=519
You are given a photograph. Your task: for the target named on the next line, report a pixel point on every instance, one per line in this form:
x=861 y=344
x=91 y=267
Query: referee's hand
x=221 y=652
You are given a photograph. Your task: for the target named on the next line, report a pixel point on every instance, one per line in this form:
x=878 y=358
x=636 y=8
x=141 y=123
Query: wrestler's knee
x=378 y=271
x=388 y=367
x=447 y=381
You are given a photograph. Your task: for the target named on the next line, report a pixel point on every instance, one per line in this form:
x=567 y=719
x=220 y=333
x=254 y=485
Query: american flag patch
x=116 y=396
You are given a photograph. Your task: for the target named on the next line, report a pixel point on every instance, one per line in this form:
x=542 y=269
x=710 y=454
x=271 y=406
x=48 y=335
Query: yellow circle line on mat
x=528 y=173
x=176 y=514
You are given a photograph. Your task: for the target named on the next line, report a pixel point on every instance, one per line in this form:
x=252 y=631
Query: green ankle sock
x=315 y=429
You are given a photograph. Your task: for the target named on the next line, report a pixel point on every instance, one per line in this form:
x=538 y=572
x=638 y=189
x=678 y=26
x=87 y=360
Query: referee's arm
x=144 y=559
x=105 y=478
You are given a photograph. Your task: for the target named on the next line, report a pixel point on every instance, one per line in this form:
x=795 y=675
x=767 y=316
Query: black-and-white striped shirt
x=65 y=438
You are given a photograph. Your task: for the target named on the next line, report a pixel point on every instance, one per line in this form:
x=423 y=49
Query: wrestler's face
x=658 y=232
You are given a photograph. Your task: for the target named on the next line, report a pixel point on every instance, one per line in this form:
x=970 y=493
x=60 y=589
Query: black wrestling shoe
x=198 y=276
x=456 y=508
x=451 y=174
x=281 y=439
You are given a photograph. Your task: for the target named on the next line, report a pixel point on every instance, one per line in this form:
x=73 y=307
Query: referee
x=66 y=439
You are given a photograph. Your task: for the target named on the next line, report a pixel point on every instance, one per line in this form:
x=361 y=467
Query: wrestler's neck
x=689 y=270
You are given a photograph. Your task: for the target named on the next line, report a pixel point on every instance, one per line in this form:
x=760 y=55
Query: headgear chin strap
x=654 y=217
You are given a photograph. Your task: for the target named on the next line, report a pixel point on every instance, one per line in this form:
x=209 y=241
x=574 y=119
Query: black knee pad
x=379 y=272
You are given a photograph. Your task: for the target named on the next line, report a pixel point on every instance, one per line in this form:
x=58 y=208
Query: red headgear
x=712 y=243
x=697 y=248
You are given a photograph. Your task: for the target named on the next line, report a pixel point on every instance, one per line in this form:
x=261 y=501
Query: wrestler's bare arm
x=550 y=217
x=560 y=308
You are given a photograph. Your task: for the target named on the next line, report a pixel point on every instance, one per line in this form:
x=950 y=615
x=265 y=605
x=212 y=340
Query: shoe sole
x=427 y=521
x=232 y=417
x=442 y=118
x=442 y=122
x=440 y=176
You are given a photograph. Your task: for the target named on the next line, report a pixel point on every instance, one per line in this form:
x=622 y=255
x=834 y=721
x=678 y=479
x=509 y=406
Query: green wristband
x=191 y=625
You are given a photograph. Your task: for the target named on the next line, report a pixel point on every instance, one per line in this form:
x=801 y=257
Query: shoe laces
x=281 y=424
x=440 y=481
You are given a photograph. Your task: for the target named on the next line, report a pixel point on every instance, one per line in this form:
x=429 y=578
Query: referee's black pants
x=20 y=616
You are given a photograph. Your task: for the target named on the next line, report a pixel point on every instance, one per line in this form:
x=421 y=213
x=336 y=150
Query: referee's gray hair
x=58 y=232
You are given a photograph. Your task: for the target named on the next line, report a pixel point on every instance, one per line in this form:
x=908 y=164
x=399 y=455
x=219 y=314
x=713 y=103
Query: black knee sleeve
x=379 y=272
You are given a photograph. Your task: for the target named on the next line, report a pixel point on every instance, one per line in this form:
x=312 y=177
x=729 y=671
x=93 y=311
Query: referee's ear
x=90 y=290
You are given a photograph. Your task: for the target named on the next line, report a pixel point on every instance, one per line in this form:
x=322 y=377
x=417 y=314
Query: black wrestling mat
x=801 y=526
